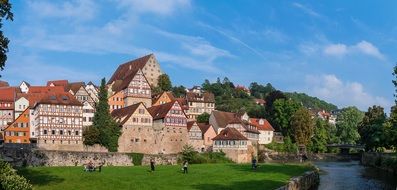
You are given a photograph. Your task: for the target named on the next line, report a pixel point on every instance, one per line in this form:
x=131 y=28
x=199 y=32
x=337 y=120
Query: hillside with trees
x=311 y=102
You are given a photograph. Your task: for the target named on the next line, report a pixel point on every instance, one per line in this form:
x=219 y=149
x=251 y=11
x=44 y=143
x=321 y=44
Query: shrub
x=9 y=180
x=136 y=158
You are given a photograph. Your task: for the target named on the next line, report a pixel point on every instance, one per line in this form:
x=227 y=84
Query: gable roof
x=75 y=86
x=26 y=111
x=8 y=94
x=265 y=127
x=63 y=83
x=230 y=133
x=200 y=97
x=223 y=118
x=128 y=68
x=160 y=111
x=204 y=127
x=158 y=96
x=27 y=84
x=46 y=89
x=190 y=125
x=59 y=98
x=122 y=84
x=126 y=113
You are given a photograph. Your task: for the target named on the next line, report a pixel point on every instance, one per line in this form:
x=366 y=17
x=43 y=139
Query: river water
x=351 y=176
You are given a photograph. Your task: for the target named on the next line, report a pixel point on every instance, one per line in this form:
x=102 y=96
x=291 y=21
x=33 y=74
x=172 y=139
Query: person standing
x=152 y=165
x=185 y=164
x=254 y=163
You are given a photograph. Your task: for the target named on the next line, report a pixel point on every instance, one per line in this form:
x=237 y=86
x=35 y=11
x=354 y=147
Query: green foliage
x=288 y=146
x=372 y=128
x=203 y=118
x=311 y=102
x=5 y=12
x=302 y=125
x=321 y=137
x=9 y=180
x=164 y=83
x=179 y=91
x=257 y=111
x=136 y=158
x=346 y=125
x=106 y=131
x=281 y=116
x=188 y=153
x=260 y=91
x=193 y=157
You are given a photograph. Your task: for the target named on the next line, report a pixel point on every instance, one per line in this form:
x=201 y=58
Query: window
x=77 y=133
x=61 y=132
x=45 y=132
x=52 y=132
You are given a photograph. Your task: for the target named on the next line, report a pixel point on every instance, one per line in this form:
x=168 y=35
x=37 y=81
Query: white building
x=20 y=106
x=266 y=130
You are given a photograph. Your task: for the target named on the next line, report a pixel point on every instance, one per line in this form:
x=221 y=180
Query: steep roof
x=46 y=89
x=59 y=98
x=122 y=84
x=183 y=103
x=200 y=97
x=203 y=127
x=160 y=111
x=123 y=114
x=223 y=118
x=266 y=126
x=230 y=133
x=127 y=68
x=158 y=96
x=8 y=94
x=27 y=84
x=190 y=125
x=63 y=83
x=4 y=83
x=75 y=86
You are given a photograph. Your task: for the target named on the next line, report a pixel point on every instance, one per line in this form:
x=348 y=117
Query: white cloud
x=306 y=9
x=275 y=35
x=369 y=49
x=161 y=7
x=75 y=9
x=336 y=49
x=362 y=47
x=342 y=93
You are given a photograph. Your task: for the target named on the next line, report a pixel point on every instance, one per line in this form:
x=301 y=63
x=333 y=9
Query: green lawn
x=204 y=176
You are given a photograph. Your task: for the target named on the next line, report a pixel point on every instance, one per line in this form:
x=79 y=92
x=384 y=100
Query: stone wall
x=383 y=161
x=160 y=159
x=309 y=180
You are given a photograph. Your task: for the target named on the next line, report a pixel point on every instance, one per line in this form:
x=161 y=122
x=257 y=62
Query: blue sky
x=340 y=51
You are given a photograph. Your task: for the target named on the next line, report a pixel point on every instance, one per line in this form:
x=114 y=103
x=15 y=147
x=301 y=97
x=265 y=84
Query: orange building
x=162 y=98
x=116 y=101
x=19 y=130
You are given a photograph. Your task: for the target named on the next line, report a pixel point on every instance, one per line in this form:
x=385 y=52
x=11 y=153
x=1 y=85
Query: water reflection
x=351 y=175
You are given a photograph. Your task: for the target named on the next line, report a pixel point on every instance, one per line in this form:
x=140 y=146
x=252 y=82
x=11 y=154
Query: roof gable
x=127 y=68
x=123 y=114
x=229 y=134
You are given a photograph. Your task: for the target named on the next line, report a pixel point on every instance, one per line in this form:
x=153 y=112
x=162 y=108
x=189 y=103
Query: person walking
x=254 y=163
x=152 y=165
x=185 y=164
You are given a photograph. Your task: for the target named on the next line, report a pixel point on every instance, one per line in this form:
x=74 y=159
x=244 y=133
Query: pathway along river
x=351 y=175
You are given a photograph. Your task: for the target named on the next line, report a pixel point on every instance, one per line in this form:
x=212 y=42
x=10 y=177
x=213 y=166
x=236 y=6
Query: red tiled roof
x=75 y=86
x=158 y=96
x=223 y=118
x=59 y=98
x=63 y=83
x=4 y=83
x=204 y=127
x=183 y=103
x=46 y=89
x=203 y=97
x=126 y=113
x=160 y=111
x=128 y=68
x=190 y=125
x=265 y=127
x=229 y=133
x=8 y=94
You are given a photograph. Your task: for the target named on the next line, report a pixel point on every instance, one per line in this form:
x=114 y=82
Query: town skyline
x=85 y=43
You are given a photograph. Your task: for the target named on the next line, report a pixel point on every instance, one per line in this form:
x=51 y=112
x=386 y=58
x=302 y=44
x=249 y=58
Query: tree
x=164 y=83
x=283 y=110
x=260 y=91
x=5 y=12
x=346 y=125
x=302 y=125
x=104 y=128
x=257 y=111
x=395 y=82
x=372 y=129
x=271 y=98
x=179 y=91
x=203 y=118
x=320 y=138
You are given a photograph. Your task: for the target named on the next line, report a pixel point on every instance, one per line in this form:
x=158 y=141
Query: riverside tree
x=302 y=126
x=346 y=125
x=104 y=130
x=372 y=128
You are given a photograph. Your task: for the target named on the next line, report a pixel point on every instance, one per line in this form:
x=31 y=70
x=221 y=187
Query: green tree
x=260 y=91
x=302 y=125
x=321 y=137
x=179 y=91
x=5 y=12
x=311 y=102
x=346 y=125
x=281 y=116
x=164 y=83
x=257 y=111
x=203 y=118
x=104 y=127
x=372 y=128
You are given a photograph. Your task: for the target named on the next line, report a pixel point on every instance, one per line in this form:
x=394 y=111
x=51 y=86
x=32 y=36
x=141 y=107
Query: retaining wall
x=309 y=180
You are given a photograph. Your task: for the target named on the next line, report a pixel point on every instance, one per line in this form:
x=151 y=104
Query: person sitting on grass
x=185 y=164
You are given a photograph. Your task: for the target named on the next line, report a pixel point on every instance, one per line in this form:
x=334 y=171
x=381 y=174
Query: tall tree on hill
x=104 y=130
x=372 y=129
x=5 y=12
x=346 y=125
x=271 y=98
x=302 y=126
x=281 y=116
x=260 y=91
x=164 y=83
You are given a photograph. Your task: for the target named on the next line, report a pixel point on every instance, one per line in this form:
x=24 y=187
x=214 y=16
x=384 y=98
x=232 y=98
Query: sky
x=340 y=51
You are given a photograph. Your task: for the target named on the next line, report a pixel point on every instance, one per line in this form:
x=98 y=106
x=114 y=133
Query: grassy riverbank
x=202 y=176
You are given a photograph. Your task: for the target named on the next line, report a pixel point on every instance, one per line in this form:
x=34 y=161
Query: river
x=351 y=175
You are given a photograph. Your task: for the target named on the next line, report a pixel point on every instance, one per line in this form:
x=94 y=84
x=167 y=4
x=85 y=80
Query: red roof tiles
x=230 y=133
x=59 y=98
x=128 y=68
x=122 y=115
x=8 y=94
x=266 y=126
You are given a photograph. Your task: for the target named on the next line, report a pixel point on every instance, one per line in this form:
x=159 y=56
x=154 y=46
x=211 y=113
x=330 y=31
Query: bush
x=9 y=180
x=136 y=158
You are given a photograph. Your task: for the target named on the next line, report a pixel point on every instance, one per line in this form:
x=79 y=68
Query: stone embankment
x=31 y=156
x=309 y=180
x=383 y=161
